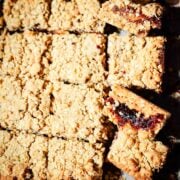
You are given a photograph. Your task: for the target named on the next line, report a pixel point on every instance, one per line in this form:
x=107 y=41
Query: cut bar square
x=136 y=62
x=22 y=156
x=25 y=14
x=78 y=59
x=26 y=55
x=136 y=18
x=135 y=156
x=75 y=15
x=74 y=160
x=1 y=16
x=77 y=113
x=24 y=106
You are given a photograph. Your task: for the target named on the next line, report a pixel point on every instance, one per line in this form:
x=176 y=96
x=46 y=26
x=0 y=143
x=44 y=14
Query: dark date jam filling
x=125 y=115
x=137 y=17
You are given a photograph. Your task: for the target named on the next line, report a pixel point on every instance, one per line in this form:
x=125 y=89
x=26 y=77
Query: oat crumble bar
x=136 y=18
x=139 y=121
x=124 y=107
x=74 y=160
x=75 y=15
x=65 y=57
x=24 y=106
x=135 y=154
x=78 y=59
x=22 y=156
x=26 y=55
x=77 y=113
x=136 y=61
x=26 y=14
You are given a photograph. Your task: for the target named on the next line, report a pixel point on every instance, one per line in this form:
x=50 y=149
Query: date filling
x=124 y=114
x=135 y=16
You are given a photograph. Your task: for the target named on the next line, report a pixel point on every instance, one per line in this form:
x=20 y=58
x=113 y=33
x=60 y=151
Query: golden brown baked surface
x=74 y=15
x=135 y=154
x=28 y=156
x=26 y=14
x=136 y=61
x=35 y=66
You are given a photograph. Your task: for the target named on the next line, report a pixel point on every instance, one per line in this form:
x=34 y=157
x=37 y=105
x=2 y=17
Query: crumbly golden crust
x=30 y=156
x=77 y=112
x=75 y=15
x=22 y=155
x=25 y=93
x=136 y=18
x=65 y=57
x=26 y=14
x=136 y=61
x=135 y=155
x=58 y=109
x=74 y=160
x=26 y=54
x=78 y=59
x=24 y=106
